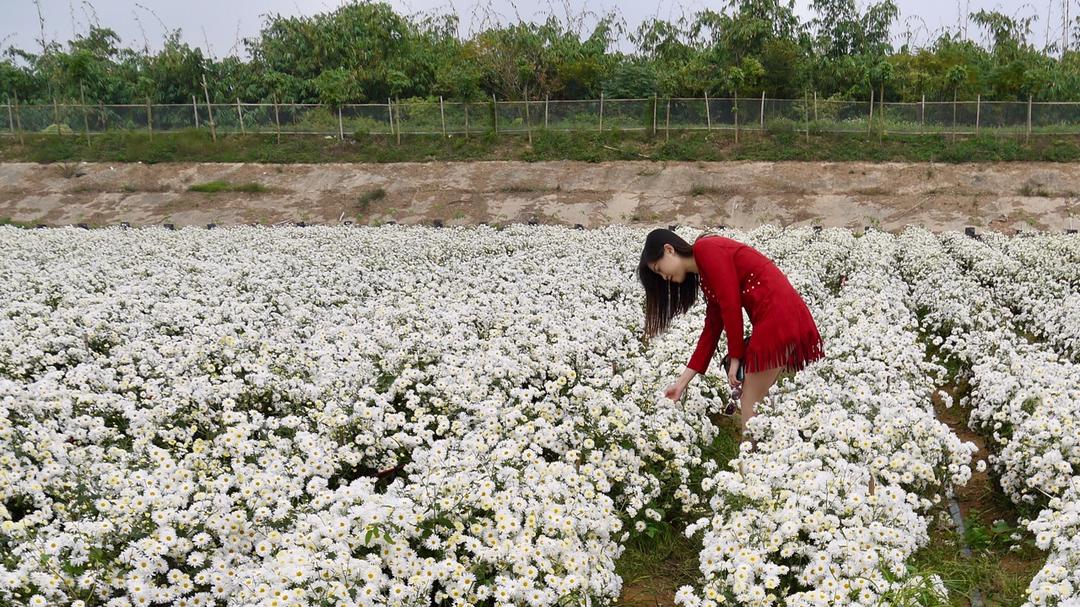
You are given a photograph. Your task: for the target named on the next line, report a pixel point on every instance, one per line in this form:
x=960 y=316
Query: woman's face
x=671 y=266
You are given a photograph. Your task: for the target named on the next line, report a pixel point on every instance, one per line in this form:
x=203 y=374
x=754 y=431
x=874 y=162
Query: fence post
x=735 y=111
x=240 y=115
x=495 y=112
x=466 y=119
x=18 y=120
x=209 y=109
x=881 y=111
x=922 y=112
x=195 y=111
x=667 y=121
x=870 y=120
x=978 y=106
x=397 y=120
x=56 y=116
x=340 y=125
x=815 y=105
x=390 y=114
x=1027 y=137
x=708 y=118
x=149 y=120
x=277 y=119
x=442 y=115
x=654 y=114
x=763 y=111
x=85 y=119
x=954 y=112
x=528 y=125
x=806 y=113
x=601 y=111
x=11 y=119
x=546 y=95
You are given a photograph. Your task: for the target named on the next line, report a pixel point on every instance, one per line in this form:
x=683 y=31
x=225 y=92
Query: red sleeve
x=717 y=266
x=710 y=335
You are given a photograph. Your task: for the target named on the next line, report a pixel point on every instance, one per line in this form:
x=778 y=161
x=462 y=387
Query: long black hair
x=664 y=300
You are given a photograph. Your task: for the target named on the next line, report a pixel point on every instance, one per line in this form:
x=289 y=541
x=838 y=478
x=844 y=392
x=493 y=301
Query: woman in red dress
x=733 y=276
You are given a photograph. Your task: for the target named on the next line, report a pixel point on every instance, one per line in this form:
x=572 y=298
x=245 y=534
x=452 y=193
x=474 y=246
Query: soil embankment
x=1005 y=196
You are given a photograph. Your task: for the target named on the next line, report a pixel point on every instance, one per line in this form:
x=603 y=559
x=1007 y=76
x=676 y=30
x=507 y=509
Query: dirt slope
x=998 y=196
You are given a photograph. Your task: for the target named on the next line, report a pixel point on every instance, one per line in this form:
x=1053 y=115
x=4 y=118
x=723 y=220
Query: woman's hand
x=733 y=370
x=674 y=390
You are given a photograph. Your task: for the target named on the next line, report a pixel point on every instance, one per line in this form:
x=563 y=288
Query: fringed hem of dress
x=792 y=356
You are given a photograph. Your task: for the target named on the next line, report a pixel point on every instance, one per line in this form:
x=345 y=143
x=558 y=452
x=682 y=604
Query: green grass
x=1001 y=576
x=663 y=558
x=7 y=221
x=197 y=146
x=227 y=186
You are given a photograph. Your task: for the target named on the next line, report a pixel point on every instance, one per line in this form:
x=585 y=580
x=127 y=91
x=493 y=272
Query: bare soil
x=1006 y=197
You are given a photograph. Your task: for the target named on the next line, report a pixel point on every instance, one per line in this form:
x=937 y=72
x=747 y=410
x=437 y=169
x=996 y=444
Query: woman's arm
x=706 y=346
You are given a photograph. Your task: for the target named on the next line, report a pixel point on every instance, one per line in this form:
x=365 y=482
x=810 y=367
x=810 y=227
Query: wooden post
x=806 y=114
x=104 y=118
x=495 y=112
x=654 y=114
x=762 y=110
x=1027 y=137
x=601 y=111
x=667 y=121
x=954 y=112
x=149 y=120
x=466 y=119
x=708 y=117
x=528 y=126
x=546 y=95
x=815 y=105
x=397 y=119
x=870 y=120
x=209 y=109
x=341 y=126
x=390 y=113
x=922 y=112
x=10 y=117
x=277 y=119
x=881 y=112
x=56 y=115
x=18 y=120
x=85 y=118
x=442 y=115
x=978 y=105
x=735 y=110
x=195 y=110
x=240 y=115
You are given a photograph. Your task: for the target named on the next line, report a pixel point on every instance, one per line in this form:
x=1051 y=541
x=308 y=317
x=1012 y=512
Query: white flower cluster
x=802 y=526
x=1038 y=277
x=202 y=415
x=1057 y=529
x=1024 y=395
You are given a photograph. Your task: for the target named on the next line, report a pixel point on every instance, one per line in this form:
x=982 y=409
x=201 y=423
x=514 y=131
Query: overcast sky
x=217 y=26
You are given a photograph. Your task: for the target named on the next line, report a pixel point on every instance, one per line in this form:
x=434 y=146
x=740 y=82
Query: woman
x=732 y=276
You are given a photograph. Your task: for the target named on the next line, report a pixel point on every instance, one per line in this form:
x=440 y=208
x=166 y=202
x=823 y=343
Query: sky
x=218 y=27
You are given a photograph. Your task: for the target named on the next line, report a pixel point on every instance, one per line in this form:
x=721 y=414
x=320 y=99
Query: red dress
x=734 y=275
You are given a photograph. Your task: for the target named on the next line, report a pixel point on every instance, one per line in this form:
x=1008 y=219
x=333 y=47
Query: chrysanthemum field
x=411 y=416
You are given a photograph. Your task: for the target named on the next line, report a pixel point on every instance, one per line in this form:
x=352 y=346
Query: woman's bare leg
x=755 y=387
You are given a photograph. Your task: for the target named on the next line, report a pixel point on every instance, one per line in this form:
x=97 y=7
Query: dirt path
x=990 y=196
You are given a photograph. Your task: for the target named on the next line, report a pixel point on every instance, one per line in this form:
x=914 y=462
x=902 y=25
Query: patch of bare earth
x=1004 y=197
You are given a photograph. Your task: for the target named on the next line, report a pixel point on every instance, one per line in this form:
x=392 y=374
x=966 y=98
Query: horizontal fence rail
x=656 y=114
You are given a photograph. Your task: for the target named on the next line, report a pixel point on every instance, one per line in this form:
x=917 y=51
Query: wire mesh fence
x=655 y=114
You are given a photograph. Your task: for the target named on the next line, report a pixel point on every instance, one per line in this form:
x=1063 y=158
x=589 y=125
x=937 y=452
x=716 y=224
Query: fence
x=654 y=115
